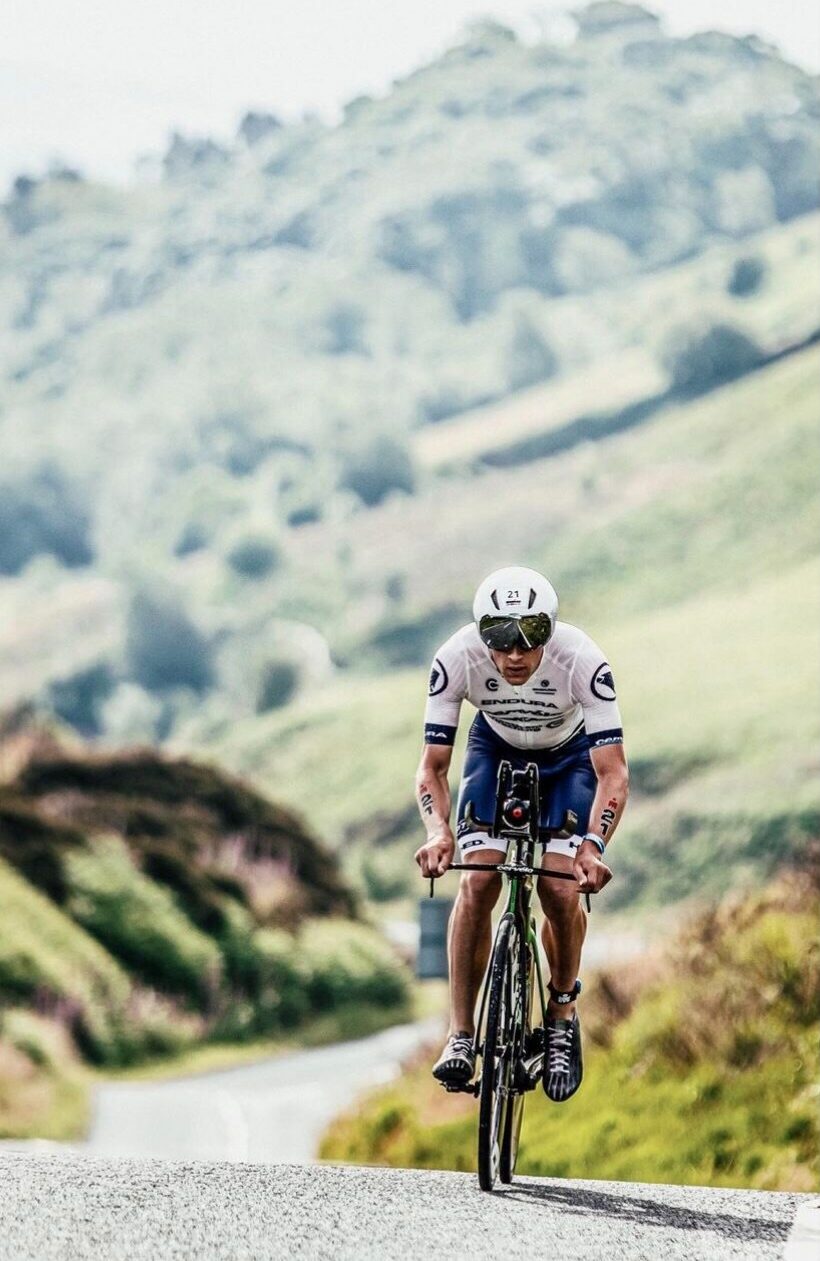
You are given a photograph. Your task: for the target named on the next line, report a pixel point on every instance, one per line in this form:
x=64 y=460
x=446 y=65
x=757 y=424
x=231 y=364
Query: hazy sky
x=98 y=82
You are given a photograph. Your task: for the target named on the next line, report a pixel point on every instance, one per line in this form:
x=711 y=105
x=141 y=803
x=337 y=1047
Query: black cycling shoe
x=563 y=1061
x=456 y=1064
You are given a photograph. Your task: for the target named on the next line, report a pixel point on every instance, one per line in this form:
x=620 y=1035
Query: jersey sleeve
x=593 y=687
x=445 y=692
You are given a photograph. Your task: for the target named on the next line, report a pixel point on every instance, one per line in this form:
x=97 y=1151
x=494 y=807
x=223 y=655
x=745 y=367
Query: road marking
x=236 y=1127
x=803 y=1243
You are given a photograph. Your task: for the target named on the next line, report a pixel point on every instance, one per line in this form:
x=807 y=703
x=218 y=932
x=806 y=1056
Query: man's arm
x=609 y=761
x=433 y=797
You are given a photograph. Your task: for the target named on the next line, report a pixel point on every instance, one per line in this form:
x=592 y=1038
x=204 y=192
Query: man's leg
x=470 y=937
x=563 y=930
x=563 y=936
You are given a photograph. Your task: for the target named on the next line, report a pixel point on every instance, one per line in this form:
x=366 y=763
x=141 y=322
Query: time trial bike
x=510 y=1041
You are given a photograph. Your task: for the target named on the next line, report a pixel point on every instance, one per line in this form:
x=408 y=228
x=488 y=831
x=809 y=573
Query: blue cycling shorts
x=567 y=781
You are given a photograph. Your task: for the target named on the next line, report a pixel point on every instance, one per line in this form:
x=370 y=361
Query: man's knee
x=560 y=900
x=478 y=892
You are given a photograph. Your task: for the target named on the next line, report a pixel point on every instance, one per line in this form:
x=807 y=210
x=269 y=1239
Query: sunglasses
x=503 y=633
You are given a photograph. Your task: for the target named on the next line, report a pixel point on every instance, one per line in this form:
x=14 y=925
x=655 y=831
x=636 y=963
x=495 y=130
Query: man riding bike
x=545 y=694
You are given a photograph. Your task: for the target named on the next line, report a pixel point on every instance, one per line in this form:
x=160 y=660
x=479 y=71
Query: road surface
x=272 y=1111
x=77 y=1208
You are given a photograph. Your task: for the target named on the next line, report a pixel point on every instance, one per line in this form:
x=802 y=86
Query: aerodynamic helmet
x=513 y=606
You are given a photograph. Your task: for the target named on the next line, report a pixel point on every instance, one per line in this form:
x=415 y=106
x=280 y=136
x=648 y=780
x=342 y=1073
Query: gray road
x=78 y=1208
x=273 y=1111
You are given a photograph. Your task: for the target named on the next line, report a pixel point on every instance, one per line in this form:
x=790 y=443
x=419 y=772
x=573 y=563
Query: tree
x=747 y=276
x=255 y=556
x=163 y=645
x=378 y=468
x=698 y=361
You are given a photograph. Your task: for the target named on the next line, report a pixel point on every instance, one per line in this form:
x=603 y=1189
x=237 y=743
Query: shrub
x=349 y=963
x=255 y=556
x=375 y=470
x=747 y=276
x=282 y=997
x=44 y=956
x=164 y=647
x=699 y=361
x=140 y=923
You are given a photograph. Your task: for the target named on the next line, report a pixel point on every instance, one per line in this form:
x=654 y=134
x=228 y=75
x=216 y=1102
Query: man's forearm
x=433 y=798
x=608 y=806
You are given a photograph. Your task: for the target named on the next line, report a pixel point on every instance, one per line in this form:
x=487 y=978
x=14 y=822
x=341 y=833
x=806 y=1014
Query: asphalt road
x=79 y=1208
x=272 y=1111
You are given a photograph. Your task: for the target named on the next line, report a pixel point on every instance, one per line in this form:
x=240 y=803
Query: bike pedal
x=465 y=1088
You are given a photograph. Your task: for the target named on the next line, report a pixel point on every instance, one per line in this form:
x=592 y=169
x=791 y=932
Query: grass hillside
x=688 y=548
x=215 y=380
x=151 y=904
x=700 y=1067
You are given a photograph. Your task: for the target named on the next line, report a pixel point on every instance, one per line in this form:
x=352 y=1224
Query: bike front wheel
x=499 y=1105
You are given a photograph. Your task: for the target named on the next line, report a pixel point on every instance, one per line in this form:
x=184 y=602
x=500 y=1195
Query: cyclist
x=544 y=693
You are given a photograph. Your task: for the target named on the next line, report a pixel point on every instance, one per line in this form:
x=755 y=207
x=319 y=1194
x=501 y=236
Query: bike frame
x=520 y=874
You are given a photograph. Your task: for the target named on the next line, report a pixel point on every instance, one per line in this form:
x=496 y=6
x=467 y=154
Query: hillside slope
x=209 y=373
x=696 y=567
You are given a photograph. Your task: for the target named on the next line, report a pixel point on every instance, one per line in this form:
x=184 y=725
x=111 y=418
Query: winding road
x=273 y=1111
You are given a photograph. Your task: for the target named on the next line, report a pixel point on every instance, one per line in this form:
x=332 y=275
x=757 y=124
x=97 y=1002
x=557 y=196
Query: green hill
x=688 y=547
x=211 y=374
x=151 y=904
x=268 y=417
x=700 y=1067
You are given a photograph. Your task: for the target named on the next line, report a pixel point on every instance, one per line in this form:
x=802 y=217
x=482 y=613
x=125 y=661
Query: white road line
x=236 y=1127
x=803 y=1243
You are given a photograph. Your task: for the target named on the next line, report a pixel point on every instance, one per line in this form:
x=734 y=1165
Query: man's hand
x=588 y=869
x=435 y=855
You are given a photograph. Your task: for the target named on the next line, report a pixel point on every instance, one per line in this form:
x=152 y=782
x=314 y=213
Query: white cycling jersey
x=571 y=690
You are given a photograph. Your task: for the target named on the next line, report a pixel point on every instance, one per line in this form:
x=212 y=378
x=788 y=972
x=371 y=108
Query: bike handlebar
x=512 y=869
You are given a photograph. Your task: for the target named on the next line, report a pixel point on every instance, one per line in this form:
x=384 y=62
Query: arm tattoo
x=608 y=815
x=425 y=799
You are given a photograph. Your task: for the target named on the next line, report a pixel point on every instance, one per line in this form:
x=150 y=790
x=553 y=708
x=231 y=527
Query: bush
x=747 y=276
x=255 y=556
x=697 y=362
x=164 y=647
x=140 y=923
x=46 y=957
x=377 y=469
x=281 y=1000
x=348 y=963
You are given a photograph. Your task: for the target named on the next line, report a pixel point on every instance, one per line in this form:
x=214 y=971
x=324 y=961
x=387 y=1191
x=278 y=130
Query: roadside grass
x=701 y=1067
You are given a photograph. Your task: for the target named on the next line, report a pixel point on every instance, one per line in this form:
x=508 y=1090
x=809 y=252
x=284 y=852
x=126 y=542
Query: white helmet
x=514 y=603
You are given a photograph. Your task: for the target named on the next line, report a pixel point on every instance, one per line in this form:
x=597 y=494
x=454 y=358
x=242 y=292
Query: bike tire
x=524 y=980
x=496 y=1064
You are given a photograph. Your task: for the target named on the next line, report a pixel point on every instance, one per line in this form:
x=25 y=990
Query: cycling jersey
x=572 y=690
